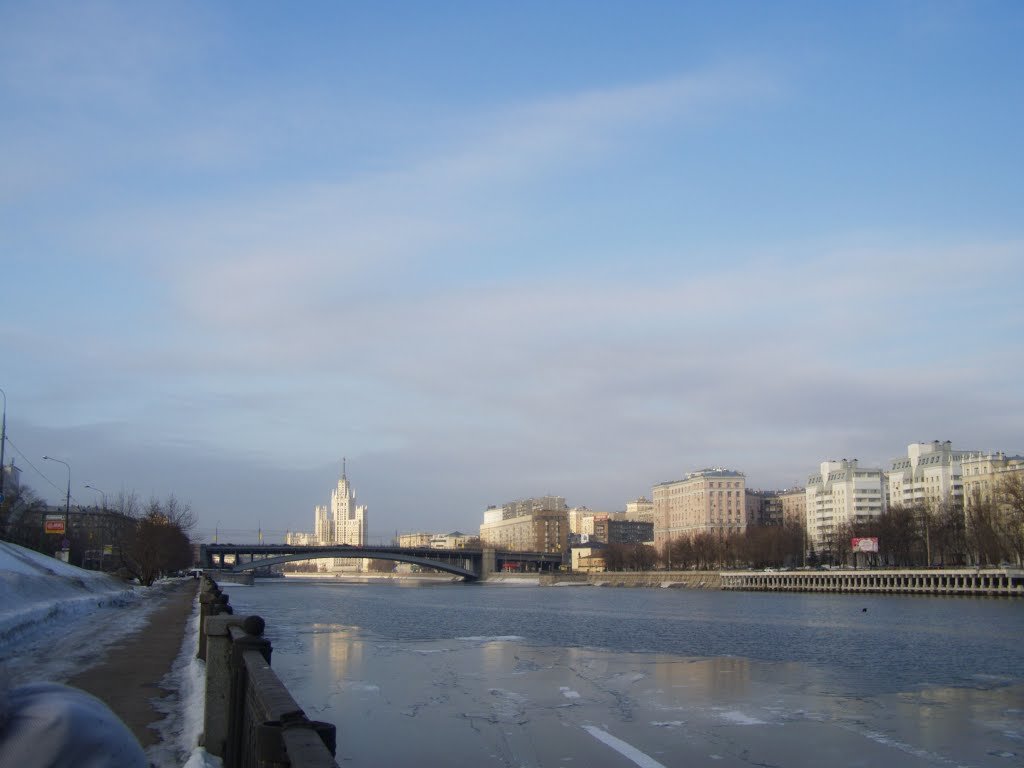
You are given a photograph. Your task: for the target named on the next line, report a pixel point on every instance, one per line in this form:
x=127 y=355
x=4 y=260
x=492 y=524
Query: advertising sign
x=869 y=544
x=54 y=524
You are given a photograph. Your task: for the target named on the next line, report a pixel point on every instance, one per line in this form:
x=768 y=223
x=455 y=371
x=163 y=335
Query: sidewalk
x=128 y=679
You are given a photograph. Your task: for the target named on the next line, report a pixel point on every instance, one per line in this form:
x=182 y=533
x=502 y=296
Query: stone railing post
x=212 y=602
x=218 y=682
x=247 y=636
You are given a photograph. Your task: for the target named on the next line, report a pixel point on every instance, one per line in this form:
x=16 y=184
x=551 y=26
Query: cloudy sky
x=495 y=250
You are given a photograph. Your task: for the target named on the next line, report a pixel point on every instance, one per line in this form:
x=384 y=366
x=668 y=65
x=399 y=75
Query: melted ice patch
x=739 y=718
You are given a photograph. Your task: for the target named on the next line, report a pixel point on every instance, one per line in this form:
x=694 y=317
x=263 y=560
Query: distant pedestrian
x=57 y=726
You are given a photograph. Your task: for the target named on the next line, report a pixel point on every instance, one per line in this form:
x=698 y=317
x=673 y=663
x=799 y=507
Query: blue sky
x=489 y=251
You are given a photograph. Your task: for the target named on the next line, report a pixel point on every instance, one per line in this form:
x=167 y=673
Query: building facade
x=640 y=509
x=929 y=476
x=619 y=530
x=546 y=530
x=842 y=493
x=764 y=507
x=706 y=501
x=983 y=472
x=794 y=505
x=414 y=539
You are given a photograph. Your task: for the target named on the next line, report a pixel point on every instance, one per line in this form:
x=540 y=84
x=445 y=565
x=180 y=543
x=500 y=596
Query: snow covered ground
x=57 y=620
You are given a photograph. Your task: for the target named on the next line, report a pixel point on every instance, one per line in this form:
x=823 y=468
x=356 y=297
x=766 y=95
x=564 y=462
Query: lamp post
x=67 y=499
x=103 y=523
x=101 y=493
x=3 y=441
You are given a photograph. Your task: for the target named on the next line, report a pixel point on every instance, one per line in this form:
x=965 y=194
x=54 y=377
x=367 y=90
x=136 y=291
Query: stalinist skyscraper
x=348 y=520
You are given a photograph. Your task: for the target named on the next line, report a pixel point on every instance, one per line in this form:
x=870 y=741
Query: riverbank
x=133 y=647
x=659 y=579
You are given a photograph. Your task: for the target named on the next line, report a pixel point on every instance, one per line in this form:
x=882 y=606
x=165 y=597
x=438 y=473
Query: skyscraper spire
x=343 y=468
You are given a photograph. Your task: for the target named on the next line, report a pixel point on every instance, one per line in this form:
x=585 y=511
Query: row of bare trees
x=144 y=540
x=988 y=532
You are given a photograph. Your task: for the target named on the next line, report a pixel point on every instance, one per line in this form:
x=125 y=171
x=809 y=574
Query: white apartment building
x=929 y=476
x=707 y=501
x=842 y=493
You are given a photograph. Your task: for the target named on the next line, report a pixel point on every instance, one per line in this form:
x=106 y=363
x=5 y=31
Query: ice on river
x=498 y=701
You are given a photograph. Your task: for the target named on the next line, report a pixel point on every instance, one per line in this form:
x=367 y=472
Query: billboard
x=868 y=544
x=54 y=524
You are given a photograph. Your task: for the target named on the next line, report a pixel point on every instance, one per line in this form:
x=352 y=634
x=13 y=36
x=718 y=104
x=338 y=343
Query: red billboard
x=53 y=524
x=866 y=544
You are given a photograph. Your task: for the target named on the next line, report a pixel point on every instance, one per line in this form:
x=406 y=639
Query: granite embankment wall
x=663 y=579
x=250 y=718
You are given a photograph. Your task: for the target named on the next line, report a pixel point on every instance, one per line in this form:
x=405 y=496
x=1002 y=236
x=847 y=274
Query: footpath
x=128 y=678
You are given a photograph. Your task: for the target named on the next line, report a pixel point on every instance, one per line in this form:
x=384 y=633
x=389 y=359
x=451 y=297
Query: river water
x=502 y=675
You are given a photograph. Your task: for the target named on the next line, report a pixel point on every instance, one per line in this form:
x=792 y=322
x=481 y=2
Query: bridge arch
x=322 y=553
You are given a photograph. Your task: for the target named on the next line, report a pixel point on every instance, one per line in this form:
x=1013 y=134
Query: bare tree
x=983 y=536
x=158 y=542
x=1010 y=517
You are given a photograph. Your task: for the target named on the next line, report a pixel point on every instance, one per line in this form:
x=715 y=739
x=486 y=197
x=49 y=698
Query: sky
x=487 y=251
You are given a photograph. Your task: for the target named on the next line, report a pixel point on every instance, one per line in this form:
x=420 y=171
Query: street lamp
x=3 y=440
x=101 y=493
x=67 y=499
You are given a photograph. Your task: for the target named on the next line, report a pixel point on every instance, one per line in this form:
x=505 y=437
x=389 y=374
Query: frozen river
x=471 y=675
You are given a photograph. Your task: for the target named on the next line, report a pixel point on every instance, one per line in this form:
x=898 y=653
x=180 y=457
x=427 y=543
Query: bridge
x=470 y=564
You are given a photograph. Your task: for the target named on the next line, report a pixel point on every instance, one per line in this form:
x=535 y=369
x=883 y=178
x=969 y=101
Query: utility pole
x=3 y=441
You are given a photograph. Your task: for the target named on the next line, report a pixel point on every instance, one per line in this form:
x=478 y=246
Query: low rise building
x=454 y=540
x=414 y=539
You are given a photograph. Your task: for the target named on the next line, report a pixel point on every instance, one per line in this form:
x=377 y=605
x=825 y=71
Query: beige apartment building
x=794 y=505
x=982 y=473
x=414 y=539
x=707 y=501
x=641 y=509
x=545 y=530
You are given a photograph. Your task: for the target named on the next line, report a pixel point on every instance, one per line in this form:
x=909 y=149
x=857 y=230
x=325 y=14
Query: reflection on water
x=333 y=653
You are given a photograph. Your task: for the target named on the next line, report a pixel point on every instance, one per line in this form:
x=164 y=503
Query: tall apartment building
x=839 y=494
x=982 y=472
x=707 y=501
x=545 y=530
x=928 y=476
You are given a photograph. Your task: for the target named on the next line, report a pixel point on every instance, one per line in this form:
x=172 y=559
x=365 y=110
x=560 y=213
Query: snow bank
x=35 y=588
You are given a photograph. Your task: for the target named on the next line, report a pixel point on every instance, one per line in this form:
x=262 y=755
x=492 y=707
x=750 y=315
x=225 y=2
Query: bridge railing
x=251 y=719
